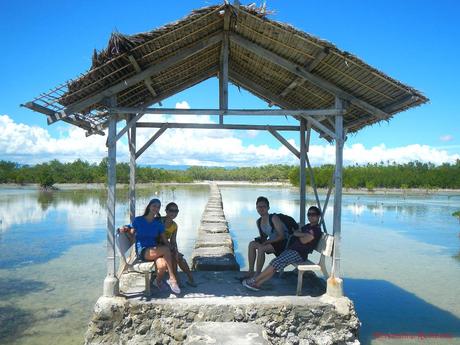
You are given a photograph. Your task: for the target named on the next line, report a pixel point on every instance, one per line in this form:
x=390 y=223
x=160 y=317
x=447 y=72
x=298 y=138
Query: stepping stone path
x=214 y=245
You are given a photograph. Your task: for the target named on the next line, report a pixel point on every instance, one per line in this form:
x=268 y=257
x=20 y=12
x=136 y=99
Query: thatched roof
x=316 y=70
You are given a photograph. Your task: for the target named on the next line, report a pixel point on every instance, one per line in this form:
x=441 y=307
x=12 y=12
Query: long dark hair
x=147 y=209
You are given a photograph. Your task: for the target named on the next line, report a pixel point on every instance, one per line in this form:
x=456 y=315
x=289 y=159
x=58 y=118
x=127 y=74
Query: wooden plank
x=208 y=74
x=151 y=140
x=152 y=70
x=318 y=58
x=302 y=72
x=229 y=112
x=147 y=81
x=300 y=80
x=223 y=75
x=284 y=142
x=216 y=126
x=264 y=94
x=319 y=125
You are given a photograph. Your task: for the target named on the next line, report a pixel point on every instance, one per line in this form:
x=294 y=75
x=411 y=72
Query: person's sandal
x=174 y=287
x=250 y=284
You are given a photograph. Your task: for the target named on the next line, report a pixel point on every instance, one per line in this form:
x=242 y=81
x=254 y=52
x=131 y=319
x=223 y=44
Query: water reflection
x=38 y=226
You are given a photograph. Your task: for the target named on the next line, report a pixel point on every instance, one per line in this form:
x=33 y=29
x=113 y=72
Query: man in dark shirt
x=302 y=244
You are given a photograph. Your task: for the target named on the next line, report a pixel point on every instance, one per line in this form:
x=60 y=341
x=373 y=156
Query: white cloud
x=446 y=137
x=32 y=144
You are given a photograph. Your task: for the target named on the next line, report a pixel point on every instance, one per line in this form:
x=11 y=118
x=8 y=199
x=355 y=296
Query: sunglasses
x=173 y=211
x=312 y=214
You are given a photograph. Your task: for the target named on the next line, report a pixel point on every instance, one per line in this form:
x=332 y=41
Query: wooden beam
x=300 y=80
x=302 y=72
x=337 y=222
x=319 y=125
x=189 y=83
x=317 y=60
x=156 y=68
x=132 y=171
x=284 y=142
x=223 y=75
x=266 y=94
x=111 y=282
x=151 y=140
x=229 y=112
x=302 y=172
x=147 y=81
x=216 y=126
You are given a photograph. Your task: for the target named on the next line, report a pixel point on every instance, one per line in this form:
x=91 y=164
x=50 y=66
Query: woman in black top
x=303 y=243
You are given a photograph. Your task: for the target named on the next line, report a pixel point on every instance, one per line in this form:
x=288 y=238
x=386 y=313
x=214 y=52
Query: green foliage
x=370 y=176
x=456 y=214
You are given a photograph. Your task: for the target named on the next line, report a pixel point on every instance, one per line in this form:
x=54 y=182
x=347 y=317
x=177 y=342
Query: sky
x=45 y=43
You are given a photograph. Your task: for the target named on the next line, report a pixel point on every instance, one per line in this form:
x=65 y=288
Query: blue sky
x=417 y=42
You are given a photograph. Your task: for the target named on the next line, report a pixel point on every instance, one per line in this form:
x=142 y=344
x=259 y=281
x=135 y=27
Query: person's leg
x=161 y=268
x=184 y=267
x=162 y=251
x=261 y=251
x=286 y=258
x=252 y=247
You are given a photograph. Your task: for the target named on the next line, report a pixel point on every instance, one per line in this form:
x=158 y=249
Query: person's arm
x=164 y=239
x=172 y=241
x=279 y=229
x=304 y=237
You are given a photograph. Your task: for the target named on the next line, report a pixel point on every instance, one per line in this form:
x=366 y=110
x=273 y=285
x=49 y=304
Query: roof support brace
x=152 y=139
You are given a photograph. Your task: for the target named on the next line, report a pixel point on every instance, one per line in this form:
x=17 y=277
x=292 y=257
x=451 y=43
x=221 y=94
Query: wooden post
x=334 y=283
x=223 y=74
x=303 y=179
x=132 y=172
x=111 y=287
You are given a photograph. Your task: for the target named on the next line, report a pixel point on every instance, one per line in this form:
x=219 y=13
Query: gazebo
x=323 y=88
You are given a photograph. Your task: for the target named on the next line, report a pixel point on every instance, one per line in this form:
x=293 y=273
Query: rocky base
x=279 y=320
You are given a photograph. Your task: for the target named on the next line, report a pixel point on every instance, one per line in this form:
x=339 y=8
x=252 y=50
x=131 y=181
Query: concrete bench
x=324 y=247
x=130 y=263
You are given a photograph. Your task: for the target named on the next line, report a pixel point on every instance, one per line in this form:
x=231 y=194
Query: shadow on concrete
x=386 y=309
x=227 y=284
x=19 y=287
x=13 y=322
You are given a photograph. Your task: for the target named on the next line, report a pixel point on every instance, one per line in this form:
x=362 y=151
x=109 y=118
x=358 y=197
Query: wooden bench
x=130 y=263
x=324 y=247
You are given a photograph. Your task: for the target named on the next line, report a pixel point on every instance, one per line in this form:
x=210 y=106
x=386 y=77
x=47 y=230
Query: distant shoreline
x=364 y=191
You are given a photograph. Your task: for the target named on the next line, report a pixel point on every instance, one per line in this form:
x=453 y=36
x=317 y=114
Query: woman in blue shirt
x=147 y=229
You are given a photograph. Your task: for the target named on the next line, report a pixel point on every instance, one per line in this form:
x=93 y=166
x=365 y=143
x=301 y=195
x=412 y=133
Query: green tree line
x=410 y=175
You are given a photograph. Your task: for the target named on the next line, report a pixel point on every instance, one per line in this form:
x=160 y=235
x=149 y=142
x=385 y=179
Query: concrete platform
x=219 y=304
x=226 y=284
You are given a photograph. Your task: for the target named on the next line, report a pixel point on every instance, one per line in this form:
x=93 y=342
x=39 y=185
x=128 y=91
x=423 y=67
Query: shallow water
x=398 y=257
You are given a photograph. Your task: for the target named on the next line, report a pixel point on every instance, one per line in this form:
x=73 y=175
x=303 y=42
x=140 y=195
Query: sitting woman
x=147 y=228
x=171 y=234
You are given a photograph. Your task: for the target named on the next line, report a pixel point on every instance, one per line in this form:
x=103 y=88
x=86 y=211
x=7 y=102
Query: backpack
x=288 y=221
